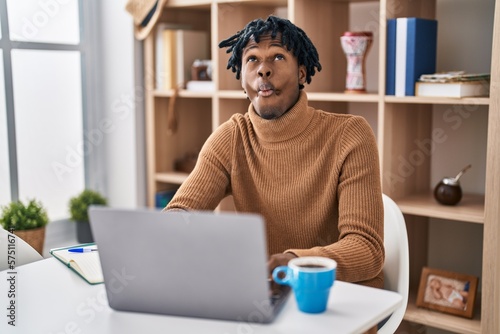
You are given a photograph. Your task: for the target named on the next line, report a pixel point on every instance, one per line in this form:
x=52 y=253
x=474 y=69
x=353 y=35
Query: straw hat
x=145 y=14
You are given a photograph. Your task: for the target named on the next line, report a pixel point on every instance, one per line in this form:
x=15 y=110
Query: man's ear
x=302 y=74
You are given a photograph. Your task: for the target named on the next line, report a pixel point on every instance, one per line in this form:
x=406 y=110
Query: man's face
x=270 y=76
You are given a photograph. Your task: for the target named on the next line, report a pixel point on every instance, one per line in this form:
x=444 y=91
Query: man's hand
x=276 y=260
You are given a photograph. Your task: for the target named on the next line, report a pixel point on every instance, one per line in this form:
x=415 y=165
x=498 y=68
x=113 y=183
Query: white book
x=159 y=71
x=160 y=51
x=452 y=89
x=401 y=41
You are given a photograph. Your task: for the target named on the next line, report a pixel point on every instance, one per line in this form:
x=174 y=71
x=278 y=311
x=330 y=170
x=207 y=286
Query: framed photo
x=447 y=292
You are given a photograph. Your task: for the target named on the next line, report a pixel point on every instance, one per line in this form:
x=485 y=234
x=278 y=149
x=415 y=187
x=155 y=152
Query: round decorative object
x=355 y=46
x=448 y=191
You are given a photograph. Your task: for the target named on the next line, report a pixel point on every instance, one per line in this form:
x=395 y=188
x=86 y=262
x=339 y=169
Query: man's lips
x=266 y=89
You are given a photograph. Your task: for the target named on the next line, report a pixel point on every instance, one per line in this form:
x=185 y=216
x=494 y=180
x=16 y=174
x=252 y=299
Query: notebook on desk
x=85 y=264
x=197 y=264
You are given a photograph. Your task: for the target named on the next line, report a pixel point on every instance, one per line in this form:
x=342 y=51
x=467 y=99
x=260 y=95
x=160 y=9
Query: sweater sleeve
x=359 y=252
x=208 y=183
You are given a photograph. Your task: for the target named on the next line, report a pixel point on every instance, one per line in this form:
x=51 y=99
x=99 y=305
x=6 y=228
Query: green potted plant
x=27 y=221
x=78 y=207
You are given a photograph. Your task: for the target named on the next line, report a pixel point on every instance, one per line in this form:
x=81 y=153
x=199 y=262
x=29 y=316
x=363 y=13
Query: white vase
x=355 y=46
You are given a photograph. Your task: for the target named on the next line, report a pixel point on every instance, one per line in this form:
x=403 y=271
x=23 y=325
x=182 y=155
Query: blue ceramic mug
x=311 y=278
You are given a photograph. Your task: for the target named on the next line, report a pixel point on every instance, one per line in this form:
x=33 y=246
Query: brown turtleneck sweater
x=313 y=176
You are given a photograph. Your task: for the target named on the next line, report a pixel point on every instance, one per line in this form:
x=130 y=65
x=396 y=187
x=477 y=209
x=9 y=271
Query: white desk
x=51 y=299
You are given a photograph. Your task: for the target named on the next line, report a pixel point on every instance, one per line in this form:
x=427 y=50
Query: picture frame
x=447 y=292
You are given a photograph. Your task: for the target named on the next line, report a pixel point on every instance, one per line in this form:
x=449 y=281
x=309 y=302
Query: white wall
x=124 y=158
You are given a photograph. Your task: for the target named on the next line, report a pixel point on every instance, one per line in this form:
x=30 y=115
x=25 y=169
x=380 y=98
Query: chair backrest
x=24 y=253
x=396 y=267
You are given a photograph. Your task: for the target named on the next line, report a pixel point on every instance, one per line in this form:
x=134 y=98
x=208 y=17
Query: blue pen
x=81 y=250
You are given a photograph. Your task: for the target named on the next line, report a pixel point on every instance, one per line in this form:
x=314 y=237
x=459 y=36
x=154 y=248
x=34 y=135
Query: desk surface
x=51 y=299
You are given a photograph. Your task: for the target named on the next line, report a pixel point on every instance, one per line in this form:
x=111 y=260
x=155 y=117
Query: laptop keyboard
x=277 y=292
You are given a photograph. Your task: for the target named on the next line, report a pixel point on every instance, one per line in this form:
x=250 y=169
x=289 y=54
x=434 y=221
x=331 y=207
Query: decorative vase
x=355 y=46
x=34 y=237
x=83 y=232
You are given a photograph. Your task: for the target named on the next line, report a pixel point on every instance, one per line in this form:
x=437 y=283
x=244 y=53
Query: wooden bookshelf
x=399 y=122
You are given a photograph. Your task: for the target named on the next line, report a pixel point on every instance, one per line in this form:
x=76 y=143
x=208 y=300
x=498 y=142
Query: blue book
x=415 y=52
x=390 y=66
x=420 y=51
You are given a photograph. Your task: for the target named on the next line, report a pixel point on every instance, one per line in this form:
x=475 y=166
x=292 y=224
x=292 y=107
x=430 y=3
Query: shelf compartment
x=194 y=119
x=171 y=177
x=437 y=100
x=443 y=321
x=470 y=209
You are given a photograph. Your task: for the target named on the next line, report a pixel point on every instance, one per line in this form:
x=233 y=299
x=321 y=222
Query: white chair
x=24 y=253
x=396 y=267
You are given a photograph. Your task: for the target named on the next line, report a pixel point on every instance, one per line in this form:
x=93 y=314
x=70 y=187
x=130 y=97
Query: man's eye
x=251 y=58
x=279 y=57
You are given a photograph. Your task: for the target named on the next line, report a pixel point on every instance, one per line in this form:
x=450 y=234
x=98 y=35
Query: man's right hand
x=277 y=260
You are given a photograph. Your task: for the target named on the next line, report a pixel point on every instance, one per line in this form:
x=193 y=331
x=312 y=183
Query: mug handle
x=281 y=270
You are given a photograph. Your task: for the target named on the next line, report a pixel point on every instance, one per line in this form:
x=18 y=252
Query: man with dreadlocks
x=313 y=175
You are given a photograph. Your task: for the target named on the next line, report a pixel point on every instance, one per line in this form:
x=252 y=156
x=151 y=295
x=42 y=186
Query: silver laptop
x=196 y=264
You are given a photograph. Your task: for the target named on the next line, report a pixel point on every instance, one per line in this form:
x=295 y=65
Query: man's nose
x=265 y=70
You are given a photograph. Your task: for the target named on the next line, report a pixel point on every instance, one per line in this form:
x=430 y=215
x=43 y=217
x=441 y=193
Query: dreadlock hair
x=292 y=37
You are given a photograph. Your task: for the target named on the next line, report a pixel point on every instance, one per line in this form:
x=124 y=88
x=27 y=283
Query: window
x=4 y=151
x=44 y=99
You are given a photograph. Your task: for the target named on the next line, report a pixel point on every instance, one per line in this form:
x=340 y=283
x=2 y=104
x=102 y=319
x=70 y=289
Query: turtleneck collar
x=289 y=125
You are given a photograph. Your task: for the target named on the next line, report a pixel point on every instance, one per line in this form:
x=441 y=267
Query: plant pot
x=83 y=232
x=34 y=237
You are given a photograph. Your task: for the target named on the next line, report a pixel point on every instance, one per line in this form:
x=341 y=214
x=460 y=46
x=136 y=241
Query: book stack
x=453 y=84
x=177 y=47
x=411 y=52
